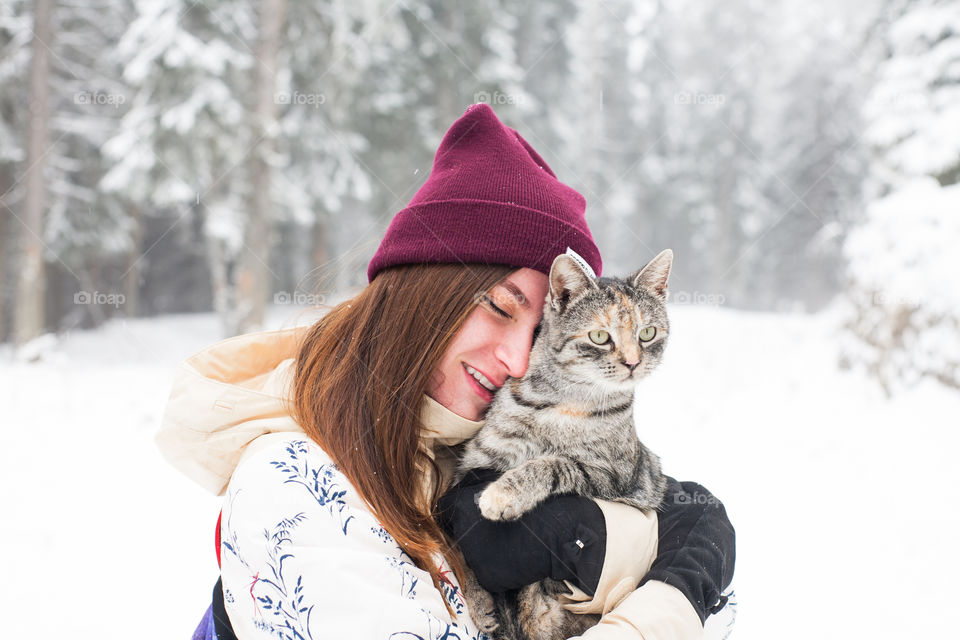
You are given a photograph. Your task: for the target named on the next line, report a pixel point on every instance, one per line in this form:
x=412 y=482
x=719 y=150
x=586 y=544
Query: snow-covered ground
x=845 y=502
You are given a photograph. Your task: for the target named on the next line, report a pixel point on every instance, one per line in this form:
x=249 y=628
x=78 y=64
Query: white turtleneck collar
x=440 y=426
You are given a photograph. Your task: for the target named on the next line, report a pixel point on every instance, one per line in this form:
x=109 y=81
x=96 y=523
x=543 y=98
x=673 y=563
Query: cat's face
x=608 y=331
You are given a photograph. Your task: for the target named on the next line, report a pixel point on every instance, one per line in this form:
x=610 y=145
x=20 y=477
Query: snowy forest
x=175 y=156
x=174 y=172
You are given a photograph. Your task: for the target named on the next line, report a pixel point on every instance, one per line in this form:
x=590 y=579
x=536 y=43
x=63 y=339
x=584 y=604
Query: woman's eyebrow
x=517 y=293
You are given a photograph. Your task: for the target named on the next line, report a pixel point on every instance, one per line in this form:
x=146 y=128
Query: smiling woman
x=493 y=344
x=333 y=444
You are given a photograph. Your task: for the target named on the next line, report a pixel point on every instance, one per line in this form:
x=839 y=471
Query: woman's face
x=494 y=342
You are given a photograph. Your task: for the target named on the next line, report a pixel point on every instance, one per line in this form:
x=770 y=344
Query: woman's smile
x=481 y=388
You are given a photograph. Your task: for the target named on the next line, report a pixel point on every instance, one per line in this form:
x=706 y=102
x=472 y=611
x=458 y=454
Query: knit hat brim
x=486 y=232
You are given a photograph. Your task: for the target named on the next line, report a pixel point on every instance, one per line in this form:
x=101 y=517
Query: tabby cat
x=566 y=426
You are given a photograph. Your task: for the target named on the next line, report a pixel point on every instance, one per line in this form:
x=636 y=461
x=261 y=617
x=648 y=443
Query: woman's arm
x=564 y=538
x=694 y=562
x=697 y=549
x=694 y=565
x=303 y=557
x=600 y=548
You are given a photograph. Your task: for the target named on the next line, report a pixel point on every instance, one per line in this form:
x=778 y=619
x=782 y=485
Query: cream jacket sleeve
x=656 y=611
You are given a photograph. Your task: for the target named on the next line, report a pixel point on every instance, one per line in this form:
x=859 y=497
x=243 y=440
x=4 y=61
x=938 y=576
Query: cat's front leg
x=521 y=489
x=505 y=499
x=480 y=603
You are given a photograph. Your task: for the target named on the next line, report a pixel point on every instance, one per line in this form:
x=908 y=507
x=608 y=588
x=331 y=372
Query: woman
x=333 y=443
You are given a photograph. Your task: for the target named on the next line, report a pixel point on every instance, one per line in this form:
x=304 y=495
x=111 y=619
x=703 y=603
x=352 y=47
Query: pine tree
x=699 y=181
x=425 y=64
x=88 y=232
x=15 y=37
x=905 y=311
x=598 y=131
x=323 y=94
x=182 y=144
x=814 y=158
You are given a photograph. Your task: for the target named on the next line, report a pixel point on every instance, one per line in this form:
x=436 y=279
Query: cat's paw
x=482 y=610
x=501 y=501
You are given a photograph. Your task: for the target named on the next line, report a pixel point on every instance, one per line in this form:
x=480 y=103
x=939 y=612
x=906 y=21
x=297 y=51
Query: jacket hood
x=231 y=393
x=225 y=397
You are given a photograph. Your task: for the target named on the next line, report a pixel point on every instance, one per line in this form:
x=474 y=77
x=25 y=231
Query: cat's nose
x=631 y=365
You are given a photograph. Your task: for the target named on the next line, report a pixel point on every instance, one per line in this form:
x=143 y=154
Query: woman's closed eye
x=489 y=302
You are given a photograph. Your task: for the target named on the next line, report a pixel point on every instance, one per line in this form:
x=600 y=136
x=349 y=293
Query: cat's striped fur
x=566 y=426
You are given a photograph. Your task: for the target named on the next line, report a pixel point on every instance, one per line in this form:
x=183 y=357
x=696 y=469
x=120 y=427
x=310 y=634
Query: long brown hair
x=361 y=373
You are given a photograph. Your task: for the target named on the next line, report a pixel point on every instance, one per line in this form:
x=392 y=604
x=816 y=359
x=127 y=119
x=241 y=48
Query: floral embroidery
x=381 y=533
x=278 y=605
x=319 y=482
x=452 y=592
x=274 y=596
x=439 y=630
x=408 y=581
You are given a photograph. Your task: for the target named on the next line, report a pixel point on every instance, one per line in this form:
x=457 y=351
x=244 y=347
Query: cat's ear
x=568 y=281
x=654 y=275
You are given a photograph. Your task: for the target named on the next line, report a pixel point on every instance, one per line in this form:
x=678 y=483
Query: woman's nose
x=514 y=352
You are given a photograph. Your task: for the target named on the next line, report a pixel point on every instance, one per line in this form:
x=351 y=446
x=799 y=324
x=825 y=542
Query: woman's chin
x=470 y=410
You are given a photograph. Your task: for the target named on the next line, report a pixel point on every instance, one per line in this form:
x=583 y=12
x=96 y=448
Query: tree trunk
x=253 y=281
x=318 y=234
x=131 y=281
x=7 y=279
x=224 y=300
x=29 y=308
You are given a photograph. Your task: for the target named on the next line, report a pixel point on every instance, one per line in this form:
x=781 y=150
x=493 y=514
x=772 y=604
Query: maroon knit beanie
x=490 y=199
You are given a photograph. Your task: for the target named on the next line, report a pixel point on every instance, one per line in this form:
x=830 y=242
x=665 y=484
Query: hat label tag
x=583 y=263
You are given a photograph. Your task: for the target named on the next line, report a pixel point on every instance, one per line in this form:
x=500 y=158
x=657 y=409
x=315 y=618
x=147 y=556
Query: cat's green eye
x=647 y=334
x=599 y=336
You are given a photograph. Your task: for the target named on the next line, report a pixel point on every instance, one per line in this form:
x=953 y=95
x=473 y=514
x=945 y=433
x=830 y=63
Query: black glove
x=564 y=537
x=697 y=546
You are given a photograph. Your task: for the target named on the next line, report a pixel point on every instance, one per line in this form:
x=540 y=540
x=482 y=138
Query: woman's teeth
x=482 y=379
